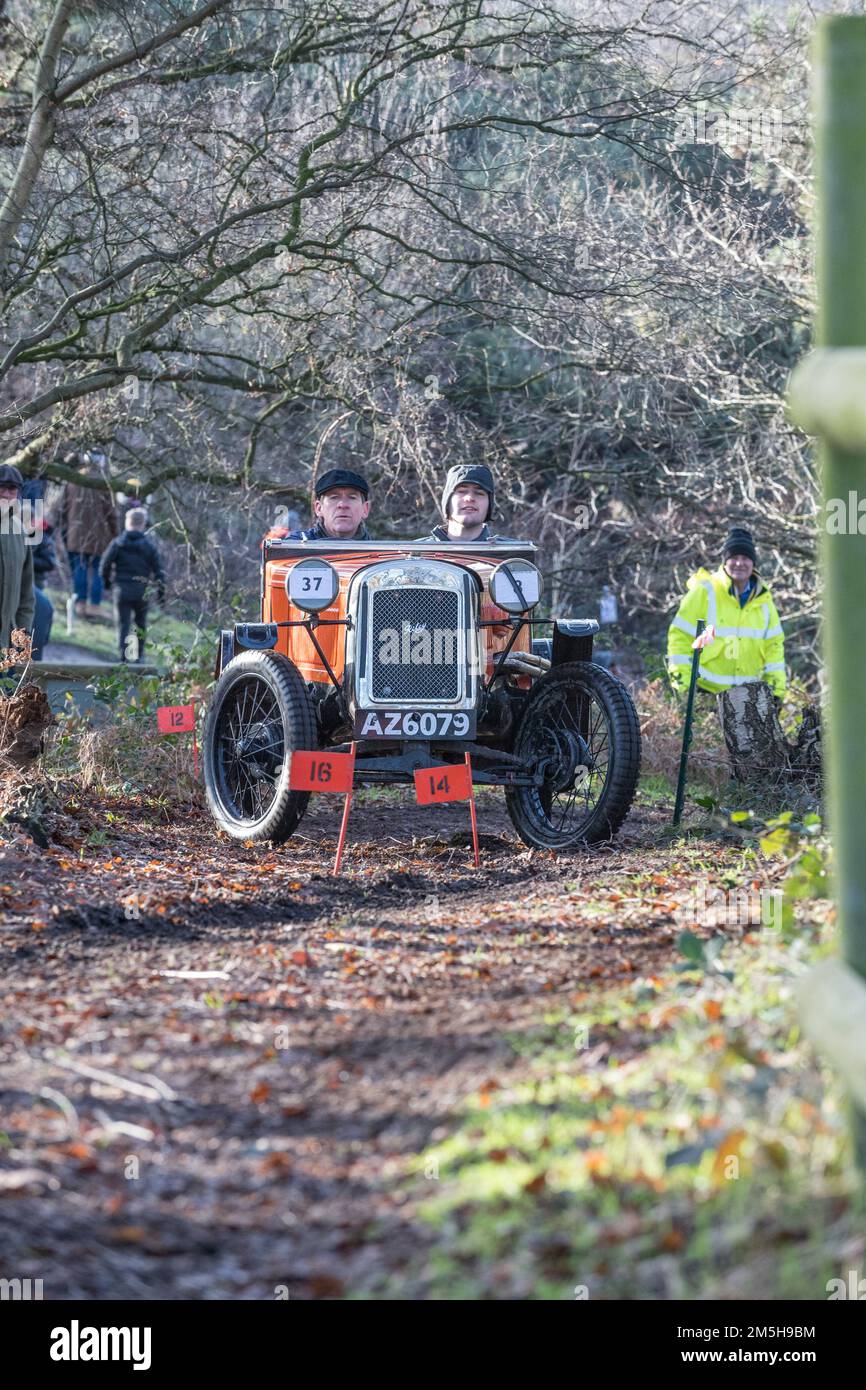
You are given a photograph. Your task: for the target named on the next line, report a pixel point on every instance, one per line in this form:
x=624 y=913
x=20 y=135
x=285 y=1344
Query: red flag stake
x=345 y=825
x=194 y=754
x=472 y=813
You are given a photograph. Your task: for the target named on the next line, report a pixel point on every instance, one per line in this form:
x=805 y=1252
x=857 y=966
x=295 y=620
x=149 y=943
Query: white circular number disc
x=312 y=584
x=527 y=577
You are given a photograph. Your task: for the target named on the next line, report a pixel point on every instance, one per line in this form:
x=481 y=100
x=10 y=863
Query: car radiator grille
x=407 y=613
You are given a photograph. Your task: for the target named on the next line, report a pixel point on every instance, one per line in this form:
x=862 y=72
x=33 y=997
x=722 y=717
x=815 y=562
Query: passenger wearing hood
x=468 y=498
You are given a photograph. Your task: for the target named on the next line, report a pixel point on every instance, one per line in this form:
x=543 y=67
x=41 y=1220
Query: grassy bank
x=165 y=632
x=673 y=1138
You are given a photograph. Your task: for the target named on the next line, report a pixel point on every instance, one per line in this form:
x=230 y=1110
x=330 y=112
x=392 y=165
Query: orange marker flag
x=321 y=772
x=326 y=772
x=175 y=719
x=449 y=783
x=179 y=719
x=452 y=783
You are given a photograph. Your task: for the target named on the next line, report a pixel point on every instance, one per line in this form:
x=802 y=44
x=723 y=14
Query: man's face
x=8 y=496
x=739 y=567
x=341 y=511
x=469 y=504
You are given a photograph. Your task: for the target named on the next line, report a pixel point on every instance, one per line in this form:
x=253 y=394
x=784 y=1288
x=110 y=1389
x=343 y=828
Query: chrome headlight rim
x=511 y=570
x=319 y=596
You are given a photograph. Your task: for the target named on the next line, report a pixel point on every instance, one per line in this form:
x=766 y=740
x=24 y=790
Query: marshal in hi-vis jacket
x=749 y=644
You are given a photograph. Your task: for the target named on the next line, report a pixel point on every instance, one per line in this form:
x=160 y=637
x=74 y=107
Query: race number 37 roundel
x=312 y=585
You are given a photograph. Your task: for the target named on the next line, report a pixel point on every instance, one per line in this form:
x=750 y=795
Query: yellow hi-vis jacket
x=749 y=644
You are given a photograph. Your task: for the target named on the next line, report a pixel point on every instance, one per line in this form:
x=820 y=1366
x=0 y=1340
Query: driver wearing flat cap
x=341 y=507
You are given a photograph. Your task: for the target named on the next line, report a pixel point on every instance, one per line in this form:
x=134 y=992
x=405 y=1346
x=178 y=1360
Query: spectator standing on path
x=130 y=563
x=17 y=600
x=87 y=520
x=44 y=561
x=748 y=643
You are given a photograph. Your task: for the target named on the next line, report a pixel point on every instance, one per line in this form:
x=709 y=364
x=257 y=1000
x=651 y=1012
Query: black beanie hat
x=739 y=542
x=477 y=473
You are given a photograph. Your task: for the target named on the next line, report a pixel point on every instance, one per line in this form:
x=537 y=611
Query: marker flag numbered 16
x=321 y=772
x=326 y=772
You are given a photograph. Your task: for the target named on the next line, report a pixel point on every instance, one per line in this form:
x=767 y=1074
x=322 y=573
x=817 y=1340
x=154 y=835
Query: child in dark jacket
x=131 y=562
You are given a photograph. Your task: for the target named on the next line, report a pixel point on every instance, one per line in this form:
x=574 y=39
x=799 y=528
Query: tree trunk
x=757 y=747
x=24 y=717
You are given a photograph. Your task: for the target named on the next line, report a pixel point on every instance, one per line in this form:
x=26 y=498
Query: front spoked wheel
x=260 y=714
x=579 y=730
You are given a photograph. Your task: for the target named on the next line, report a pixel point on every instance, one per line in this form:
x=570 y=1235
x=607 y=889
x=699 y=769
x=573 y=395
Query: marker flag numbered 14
x=321 y=772
x=452 y=783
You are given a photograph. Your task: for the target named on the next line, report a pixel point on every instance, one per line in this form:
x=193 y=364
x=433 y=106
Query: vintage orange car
x=418 y=652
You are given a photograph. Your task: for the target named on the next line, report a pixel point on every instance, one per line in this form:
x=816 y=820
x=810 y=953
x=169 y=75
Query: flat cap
x=9 y=476
x=341 y=477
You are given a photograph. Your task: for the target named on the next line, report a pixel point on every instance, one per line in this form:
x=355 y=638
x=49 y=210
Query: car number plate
x=401 y=723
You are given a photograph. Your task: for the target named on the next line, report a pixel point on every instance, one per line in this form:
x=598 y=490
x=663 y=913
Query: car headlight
x=515 y=585
x=312 y=585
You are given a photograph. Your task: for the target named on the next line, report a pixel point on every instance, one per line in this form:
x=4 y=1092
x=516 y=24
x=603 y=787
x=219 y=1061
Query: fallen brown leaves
x=266 y=1041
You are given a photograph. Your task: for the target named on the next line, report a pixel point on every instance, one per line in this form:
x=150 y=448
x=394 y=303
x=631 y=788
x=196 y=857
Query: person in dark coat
x=16 y=560
x=87 y=520
x=132 y=564
x=44 y=561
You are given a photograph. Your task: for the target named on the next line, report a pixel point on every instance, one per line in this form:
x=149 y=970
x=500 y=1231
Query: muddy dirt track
x=221 y=1135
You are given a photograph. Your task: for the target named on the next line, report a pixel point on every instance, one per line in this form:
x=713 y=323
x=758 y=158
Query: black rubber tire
x=526 y=805
x=289 y=718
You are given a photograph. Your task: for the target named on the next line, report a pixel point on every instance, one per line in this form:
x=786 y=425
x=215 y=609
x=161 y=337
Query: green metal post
x=841 y=265
x=687 y=729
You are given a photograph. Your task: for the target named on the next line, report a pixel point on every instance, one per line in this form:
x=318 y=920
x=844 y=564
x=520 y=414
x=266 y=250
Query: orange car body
x=395 y=652
x=295 y=643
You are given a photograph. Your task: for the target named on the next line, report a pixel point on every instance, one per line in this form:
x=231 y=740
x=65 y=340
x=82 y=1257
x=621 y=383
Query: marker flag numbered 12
x=179 y=719
x=175 y=719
